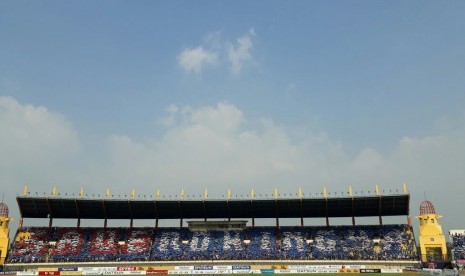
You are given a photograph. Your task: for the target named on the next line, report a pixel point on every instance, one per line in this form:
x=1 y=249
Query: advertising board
x=370 y=270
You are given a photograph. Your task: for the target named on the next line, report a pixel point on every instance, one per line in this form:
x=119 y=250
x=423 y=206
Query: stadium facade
x=217 y=237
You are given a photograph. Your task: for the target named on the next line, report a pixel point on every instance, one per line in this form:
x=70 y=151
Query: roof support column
x=78 y=223
x=325 y=194
x=379 y=208
x=353 y=217
x=251 y=211
x=229 y=211
x=327 y=218
x=181 y=222
x=131 y=223
x=21 y=221
x=204 y=211
x=301 y=214
x=276 y=210
x=156 y=224
x=50 y=223
x=105 y=223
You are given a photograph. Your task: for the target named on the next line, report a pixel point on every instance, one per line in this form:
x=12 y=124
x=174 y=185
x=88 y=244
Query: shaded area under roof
x=74 y=208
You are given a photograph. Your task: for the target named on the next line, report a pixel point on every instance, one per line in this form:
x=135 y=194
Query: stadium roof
x=55 y=207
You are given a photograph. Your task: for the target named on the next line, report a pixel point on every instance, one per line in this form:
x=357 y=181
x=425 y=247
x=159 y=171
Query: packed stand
x=458 y=246
x=391 y=242
x=31 y=245
x=70 y=245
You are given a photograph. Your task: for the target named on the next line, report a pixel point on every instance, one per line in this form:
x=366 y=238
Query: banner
x=203 y=267
x=318 y=270
x=156 y=271
x=184 y=268
x=103 y=268
x=368 y=270
x=391 y=270
x=432 y=271
x=349 y=270
x=49 y=272
x=222 y=267
x=241 y=267
x=27 y=273
x=267 y=271
x=67 y=269
x=70 y=273
x=243 y=271
x=126 y=268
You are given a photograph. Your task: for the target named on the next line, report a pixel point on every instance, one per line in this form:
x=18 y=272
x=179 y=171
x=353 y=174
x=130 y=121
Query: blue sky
x=331 y=93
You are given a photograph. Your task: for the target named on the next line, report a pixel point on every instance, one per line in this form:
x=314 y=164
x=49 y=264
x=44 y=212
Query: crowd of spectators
x=389 y=242
x=458 y=246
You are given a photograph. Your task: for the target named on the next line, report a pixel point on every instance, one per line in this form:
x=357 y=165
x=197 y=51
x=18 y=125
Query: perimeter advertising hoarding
x=391 y=270
x=156 y=271
x=27 y=273
x=241 y=267
x=56 y=272
x=317 y=270
x=103 y=268
x=112 y=272
x=349 y=270
x=184 y=267
x=67 y=269
x=370 y=270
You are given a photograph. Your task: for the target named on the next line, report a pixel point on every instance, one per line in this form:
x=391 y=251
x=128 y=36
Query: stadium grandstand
x=216 y=232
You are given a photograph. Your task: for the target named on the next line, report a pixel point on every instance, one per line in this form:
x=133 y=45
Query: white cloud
x=241 y=52
x=195 y=60
x=33 y=135
x=216 y=50
x=36 y=146
x=219 y=147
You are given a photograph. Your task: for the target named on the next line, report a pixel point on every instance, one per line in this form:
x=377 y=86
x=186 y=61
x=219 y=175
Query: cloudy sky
x=244 y=95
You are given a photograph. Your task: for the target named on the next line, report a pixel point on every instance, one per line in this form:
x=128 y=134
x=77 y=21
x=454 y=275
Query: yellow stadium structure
x=432 y=241
x=4 y=232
